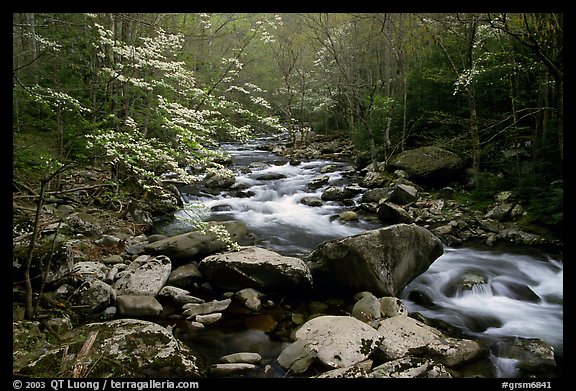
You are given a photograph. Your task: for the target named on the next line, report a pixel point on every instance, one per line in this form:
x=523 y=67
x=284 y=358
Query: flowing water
x=492 y=295
x=274 y=213
x=484 y=293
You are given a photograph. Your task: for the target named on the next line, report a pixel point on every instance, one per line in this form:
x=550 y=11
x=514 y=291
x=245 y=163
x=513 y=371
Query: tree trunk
x=560 y=106
x=513 y=97
x=31 y=19
x=404 y=109
x=29 y=310
x=474 y=134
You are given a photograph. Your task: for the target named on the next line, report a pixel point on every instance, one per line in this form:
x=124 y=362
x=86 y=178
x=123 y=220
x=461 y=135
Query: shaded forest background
x=151 y=94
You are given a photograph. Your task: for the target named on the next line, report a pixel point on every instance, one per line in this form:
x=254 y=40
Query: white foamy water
x=522 y=295
x=275 y=213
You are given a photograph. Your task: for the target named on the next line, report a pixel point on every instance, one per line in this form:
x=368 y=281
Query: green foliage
x=380 y=111
x=482 y=195
x=114 y=87
x=34 y=155
x=143 y=159
x=546 y=205
x=540 y=184
x=361 y=139
x=544 y=201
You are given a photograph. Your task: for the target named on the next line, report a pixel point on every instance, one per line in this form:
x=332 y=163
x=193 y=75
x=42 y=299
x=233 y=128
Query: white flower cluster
x=193 y=126
x=253 y=87
x=235 y=62
x=260 y=101
x=323 y=103
x=264 y=26
x=150 y=65
x=130 y=123
x=148 y=159
x=220 y=232
x=56 y=99
x=41 y=42
x=238 y=88
x=205 y=21
x=274 y=123
x=465 y=79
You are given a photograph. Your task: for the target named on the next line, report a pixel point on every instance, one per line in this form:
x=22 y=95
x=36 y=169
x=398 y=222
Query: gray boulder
x=339 y=193
x=192 y=309
x=390 y=213
x=136 y=306
x=405 y=336
x=198 y=244
x=429 y=165
x=335 y=341
x=532 y=354
x=122 y=348
x=254 y=267
x=403 y=194
x=367 y=308
x=145 y=276
x=382 y=261
x=91 y=296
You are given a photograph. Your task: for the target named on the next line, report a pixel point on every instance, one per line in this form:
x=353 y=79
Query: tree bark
x=29 y=310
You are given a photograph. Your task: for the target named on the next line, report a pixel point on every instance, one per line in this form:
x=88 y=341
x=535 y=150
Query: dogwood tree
x=162 y=119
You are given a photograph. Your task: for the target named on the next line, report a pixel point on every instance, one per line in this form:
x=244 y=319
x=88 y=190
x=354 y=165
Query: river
x=510 y=293
x=515 y=294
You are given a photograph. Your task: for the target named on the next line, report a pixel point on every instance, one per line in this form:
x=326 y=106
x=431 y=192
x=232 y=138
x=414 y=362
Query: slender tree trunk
x=512 y=85
x=46 y=271
x=404 y=109
x=470 y=92
x=29 y=310
x=31 y=19
x=474 y=133
x=387 y=141
x=560 y=106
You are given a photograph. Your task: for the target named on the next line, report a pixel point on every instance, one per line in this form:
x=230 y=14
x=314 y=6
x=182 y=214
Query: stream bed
x=484 y=293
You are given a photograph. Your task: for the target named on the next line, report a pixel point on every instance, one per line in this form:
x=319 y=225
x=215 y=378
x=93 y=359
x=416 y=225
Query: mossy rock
x=119 y=348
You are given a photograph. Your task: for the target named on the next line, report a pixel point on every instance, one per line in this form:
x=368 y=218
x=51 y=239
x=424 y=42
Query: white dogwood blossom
x=184 y=117
x=53 y=99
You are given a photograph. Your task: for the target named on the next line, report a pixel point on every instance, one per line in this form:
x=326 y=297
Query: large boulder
x=382 y=261
x=405 y=336
x=429 y=165
x=254 y=267
x=390 y=213
x=145 y=276
x=335 y=341
x=195 y=245
x=123 y=348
